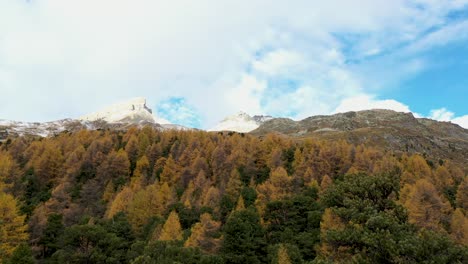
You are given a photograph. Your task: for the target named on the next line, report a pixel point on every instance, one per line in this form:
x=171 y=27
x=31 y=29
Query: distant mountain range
x=387 y=129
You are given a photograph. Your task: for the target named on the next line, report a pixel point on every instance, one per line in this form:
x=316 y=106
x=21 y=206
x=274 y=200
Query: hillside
x=142 y=194
x=385 y=129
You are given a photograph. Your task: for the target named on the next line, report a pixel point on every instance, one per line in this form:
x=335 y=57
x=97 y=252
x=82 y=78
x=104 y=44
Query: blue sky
x=198 y=61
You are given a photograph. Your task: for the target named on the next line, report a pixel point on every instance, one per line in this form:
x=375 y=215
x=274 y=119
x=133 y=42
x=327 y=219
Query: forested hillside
x=146 y=196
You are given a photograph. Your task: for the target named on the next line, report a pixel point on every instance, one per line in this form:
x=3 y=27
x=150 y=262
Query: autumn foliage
x=196 y=194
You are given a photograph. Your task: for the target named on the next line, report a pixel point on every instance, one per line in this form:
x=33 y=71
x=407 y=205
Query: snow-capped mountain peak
x=130 y=111
x=240 y=122
x=120 y=115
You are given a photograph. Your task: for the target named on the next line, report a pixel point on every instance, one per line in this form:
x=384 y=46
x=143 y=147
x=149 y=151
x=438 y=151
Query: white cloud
x=278 y=62
x=366 y=102
x=65 y=58
x=245 y=96
x=442 y=114
x=462 y=121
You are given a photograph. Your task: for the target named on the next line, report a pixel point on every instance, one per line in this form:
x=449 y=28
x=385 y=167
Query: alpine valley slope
x=117 y=116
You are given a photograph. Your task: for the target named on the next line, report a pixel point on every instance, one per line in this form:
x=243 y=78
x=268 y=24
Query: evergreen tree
x=52 y=232
x=22 y=255
x=244 y=238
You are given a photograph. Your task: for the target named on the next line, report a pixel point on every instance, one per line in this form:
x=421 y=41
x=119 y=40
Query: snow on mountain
x=131 y=111
x=43 y=129
x=118 y=116
x=240 y=122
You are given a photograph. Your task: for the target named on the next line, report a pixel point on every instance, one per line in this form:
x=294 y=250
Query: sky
x=198 y=61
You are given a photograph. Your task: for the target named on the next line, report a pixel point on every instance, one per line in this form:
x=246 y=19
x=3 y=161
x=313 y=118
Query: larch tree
x=132 y=150
x=234 y=184
x=426 y=207
x=145 y=203
x=13 y=230
x=325 y=183
x=417 y=168
x=459 y=227
x=240 y=204
x=116 y=165
x=120 y=202
x=442 y=178
x=462 y=195
x=170 y=173
x=283 y=257
x=48 y=166
x=8 y=171
x=212 y=198
x=330 y=221
x=204 y=235
x=172 y=230
x=277 y=187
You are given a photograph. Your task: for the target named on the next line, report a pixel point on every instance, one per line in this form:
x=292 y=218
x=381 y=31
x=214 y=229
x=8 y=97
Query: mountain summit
x=240 y=122
x=131 y=111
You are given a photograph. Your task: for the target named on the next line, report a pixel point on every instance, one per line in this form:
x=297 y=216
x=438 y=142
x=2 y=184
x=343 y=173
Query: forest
x=148 y=196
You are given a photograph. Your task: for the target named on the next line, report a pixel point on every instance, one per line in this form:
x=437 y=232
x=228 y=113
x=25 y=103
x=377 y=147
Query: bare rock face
x=390 y=130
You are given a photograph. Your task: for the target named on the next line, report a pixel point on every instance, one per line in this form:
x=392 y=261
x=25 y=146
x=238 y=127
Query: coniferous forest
x=145 y=196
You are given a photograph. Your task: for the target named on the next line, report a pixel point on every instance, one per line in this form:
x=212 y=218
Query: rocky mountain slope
x=386 y=129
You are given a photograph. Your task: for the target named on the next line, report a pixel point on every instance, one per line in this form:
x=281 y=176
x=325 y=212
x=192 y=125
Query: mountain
x=385 y=129
x=240 y=122
x=117 y=116
x=132 y=111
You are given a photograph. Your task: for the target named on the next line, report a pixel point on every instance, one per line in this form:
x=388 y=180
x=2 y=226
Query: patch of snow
x=240 y=122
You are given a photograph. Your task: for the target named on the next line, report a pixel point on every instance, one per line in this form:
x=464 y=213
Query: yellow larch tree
x=172 y=230
x=330 y=221
x=283 y=257
x=442 y=178
x=212 y=198
x=203 y=235
x=459 y=227
x=120 y=202
x=426 y=208
x=462 y=195
x=325 y=183
x=240 y=204
x=170 y=173
x=13 y=230
x=234 y=184
x=416 y=168
x=146 y=203
x=8 y=171
x=277 y=187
